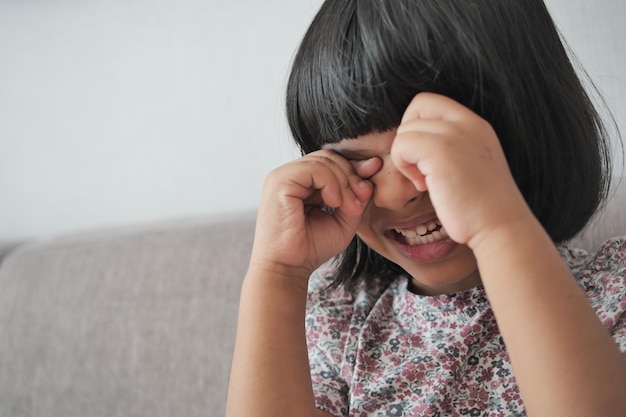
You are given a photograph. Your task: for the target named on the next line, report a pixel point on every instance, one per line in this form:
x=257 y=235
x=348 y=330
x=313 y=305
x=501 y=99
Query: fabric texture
x=384 y=351
x=125 y=323
x=6 y=248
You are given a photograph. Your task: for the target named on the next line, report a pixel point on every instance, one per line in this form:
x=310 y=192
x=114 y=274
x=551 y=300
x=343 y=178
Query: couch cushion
x=134 y=323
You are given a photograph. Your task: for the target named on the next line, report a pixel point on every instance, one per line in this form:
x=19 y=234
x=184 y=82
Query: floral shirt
x=384 y=351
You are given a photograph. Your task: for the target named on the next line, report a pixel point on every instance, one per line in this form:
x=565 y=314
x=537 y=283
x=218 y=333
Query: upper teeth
x=424 y=233
x=421 y=230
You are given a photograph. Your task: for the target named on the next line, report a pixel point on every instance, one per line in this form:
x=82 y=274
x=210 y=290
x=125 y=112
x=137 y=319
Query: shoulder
x=334 y=319
x=333 y=313
x=606 y=265
x=602 y=275
x=327 y=302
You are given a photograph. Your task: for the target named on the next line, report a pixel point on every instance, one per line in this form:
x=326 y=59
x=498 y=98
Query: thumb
x=407 y=167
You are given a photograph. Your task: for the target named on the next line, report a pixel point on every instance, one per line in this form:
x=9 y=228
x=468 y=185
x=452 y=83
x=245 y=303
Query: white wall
x=121 y=111
x=596 y=31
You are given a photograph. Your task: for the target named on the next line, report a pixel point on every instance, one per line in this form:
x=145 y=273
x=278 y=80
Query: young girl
x=450 y=150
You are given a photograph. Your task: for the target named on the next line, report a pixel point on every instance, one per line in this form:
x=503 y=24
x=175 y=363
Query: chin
x=454 y=273
x=436 y=265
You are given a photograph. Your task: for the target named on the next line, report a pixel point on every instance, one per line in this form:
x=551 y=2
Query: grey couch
x=136 y=322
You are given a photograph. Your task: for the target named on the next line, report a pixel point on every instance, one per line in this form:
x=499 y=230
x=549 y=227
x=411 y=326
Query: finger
x=412 y=172
x=443 y=128
x=433 y=106
x=428 y=118
x=304 y=180
x=327 y=183
x=366 y=168
x=363 y=190
x=409 y=153
x=344 y=169
x=323 y=185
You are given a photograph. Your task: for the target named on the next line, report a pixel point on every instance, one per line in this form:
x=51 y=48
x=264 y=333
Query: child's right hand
x=293 y=234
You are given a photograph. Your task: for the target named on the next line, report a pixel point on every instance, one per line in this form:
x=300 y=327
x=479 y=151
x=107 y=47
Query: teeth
x=421 y=230
x=424 y=233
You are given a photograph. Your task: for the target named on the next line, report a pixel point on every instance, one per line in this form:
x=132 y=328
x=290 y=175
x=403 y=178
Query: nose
x=392 y=190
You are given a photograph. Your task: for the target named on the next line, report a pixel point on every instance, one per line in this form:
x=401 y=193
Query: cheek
x=364 y=228
x=369 y=236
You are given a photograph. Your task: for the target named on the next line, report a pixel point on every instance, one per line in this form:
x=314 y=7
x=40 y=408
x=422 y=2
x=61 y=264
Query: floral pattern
x=383 y=351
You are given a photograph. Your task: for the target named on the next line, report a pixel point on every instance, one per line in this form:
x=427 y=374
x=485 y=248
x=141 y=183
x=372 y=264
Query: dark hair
x=362 y=61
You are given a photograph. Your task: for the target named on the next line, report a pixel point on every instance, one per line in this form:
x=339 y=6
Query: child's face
x=400 y=222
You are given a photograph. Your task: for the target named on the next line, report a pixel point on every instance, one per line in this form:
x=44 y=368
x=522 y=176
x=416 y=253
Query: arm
x=270 y=371
x=565 y=362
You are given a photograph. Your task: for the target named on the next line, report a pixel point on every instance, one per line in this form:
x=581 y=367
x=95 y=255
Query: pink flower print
x=414 y=372
x=510 y=395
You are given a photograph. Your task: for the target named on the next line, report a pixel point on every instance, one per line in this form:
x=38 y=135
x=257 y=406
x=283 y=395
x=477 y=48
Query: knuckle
x=317 y=164
x=335 y=162
x=273 y=175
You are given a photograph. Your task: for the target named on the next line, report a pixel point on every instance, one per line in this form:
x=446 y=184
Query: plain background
x=117 y=112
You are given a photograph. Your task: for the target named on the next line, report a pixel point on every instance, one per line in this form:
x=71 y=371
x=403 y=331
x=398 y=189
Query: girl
x=450 y=150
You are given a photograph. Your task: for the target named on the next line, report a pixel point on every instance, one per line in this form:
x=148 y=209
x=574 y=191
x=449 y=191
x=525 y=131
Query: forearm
x=564 y=360
x=270 y=371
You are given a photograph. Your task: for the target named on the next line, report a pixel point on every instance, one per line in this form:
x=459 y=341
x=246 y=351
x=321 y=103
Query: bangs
x=362 y=62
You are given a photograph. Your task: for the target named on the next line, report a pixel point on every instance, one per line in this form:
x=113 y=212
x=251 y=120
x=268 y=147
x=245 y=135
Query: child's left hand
x=446 y=149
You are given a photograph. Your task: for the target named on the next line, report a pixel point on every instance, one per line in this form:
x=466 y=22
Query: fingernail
x=364 y=184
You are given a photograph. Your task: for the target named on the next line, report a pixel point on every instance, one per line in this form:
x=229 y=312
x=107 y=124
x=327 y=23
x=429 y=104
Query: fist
x=444 y=148
x=295 y=228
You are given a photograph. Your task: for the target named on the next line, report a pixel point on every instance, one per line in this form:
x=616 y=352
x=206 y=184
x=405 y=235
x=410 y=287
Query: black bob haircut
x=362 y=61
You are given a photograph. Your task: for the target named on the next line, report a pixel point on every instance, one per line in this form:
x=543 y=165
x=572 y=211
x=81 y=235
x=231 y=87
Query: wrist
x=273 y=274
x=521 y=231
x=273 y=295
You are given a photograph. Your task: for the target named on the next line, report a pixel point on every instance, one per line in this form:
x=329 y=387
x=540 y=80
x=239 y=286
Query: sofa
x=138 y=321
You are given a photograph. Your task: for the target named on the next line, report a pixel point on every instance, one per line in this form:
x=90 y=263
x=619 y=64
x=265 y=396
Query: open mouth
x=429 y=232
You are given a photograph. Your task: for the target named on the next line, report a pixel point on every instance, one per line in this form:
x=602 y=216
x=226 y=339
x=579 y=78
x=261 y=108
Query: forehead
x=371 y=144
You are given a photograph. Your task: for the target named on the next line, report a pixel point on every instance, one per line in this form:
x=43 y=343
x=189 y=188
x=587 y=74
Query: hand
x=446 y=149
x=294 y=235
